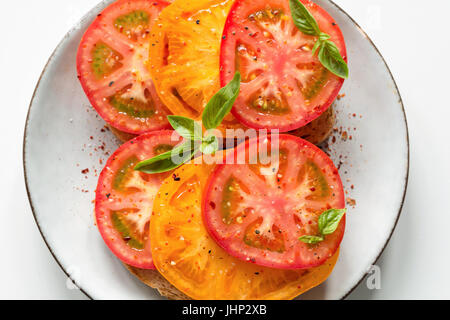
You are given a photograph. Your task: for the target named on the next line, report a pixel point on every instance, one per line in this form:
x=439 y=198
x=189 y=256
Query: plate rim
x=100 y=4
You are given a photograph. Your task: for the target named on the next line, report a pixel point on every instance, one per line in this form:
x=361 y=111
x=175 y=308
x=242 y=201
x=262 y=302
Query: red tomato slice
x=124 y=197
x=112 y=68
x=258 y=212
x=284 y=86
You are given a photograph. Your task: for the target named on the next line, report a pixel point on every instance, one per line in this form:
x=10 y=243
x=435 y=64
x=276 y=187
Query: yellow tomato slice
x=184 y=55
x=185 y=254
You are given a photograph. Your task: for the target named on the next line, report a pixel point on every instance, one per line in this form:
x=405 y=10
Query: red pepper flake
x=213 y=205
x=351 y=202
x=84 y=171
x=344 y=135
x=175 y=177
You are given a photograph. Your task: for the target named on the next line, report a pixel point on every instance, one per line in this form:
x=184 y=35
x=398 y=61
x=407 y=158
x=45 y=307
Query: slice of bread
x=315 y=132
x=155 y=280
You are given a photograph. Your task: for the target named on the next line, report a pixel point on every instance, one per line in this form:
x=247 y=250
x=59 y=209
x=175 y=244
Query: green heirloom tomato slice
x=284 y=85
x=112 y=65
x=258 y=210
x=124 y=197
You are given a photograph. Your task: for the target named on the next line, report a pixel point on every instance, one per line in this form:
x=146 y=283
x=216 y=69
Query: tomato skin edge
x=221 y=241
x=99 y=197
x=321 y=109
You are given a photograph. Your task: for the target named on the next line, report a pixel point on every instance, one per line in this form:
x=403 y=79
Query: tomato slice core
x=191 y=260
x=124 y=197
x=284 y=86
x=112 y=65
x=257 y=211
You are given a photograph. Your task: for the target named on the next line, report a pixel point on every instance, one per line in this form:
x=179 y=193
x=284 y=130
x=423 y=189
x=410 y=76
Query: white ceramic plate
x=58 y=146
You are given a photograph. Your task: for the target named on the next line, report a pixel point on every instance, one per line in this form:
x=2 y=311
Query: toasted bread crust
x=319 y=130
x=121 y=135
x=155 y=280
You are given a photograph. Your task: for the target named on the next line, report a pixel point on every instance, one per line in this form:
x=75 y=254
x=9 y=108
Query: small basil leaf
x=310 y=239
x=221 y=103
x=331 y=58
x=209 y=145
x=186 y=127
x=303 y=19
x=329 y=220
x=169 y=160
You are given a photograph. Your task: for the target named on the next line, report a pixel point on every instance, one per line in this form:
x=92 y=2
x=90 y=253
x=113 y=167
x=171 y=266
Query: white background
x=412 y=36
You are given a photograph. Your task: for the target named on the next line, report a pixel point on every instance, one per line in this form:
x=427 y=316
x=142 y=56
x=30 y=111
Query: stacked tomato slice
x=124 y=197
x=112 y=66
x=258 y=209
x=185 y=55
x=225 y=231
x=284 y=85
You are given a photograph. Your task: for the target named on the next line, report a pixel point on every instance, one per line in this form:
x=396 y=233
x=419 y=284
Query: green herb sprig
x=328 y=223
x=329 y=54
x=215 y=111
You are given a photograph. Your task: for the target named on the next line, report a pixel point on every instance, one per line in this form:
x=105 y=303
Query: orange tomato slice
x=186 y=255
x=184 y=55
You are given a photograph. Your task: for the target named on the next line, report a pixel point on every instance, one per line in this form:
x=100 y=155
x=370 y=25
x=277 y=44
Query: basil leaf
x=331 y=58
x=303 y=19
x=311 y=239
x=166 y=161
x=221 y=103
x=329 y=220
x=186 y=127
x=316 y=46
x=329 y=54
x=209 y=145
